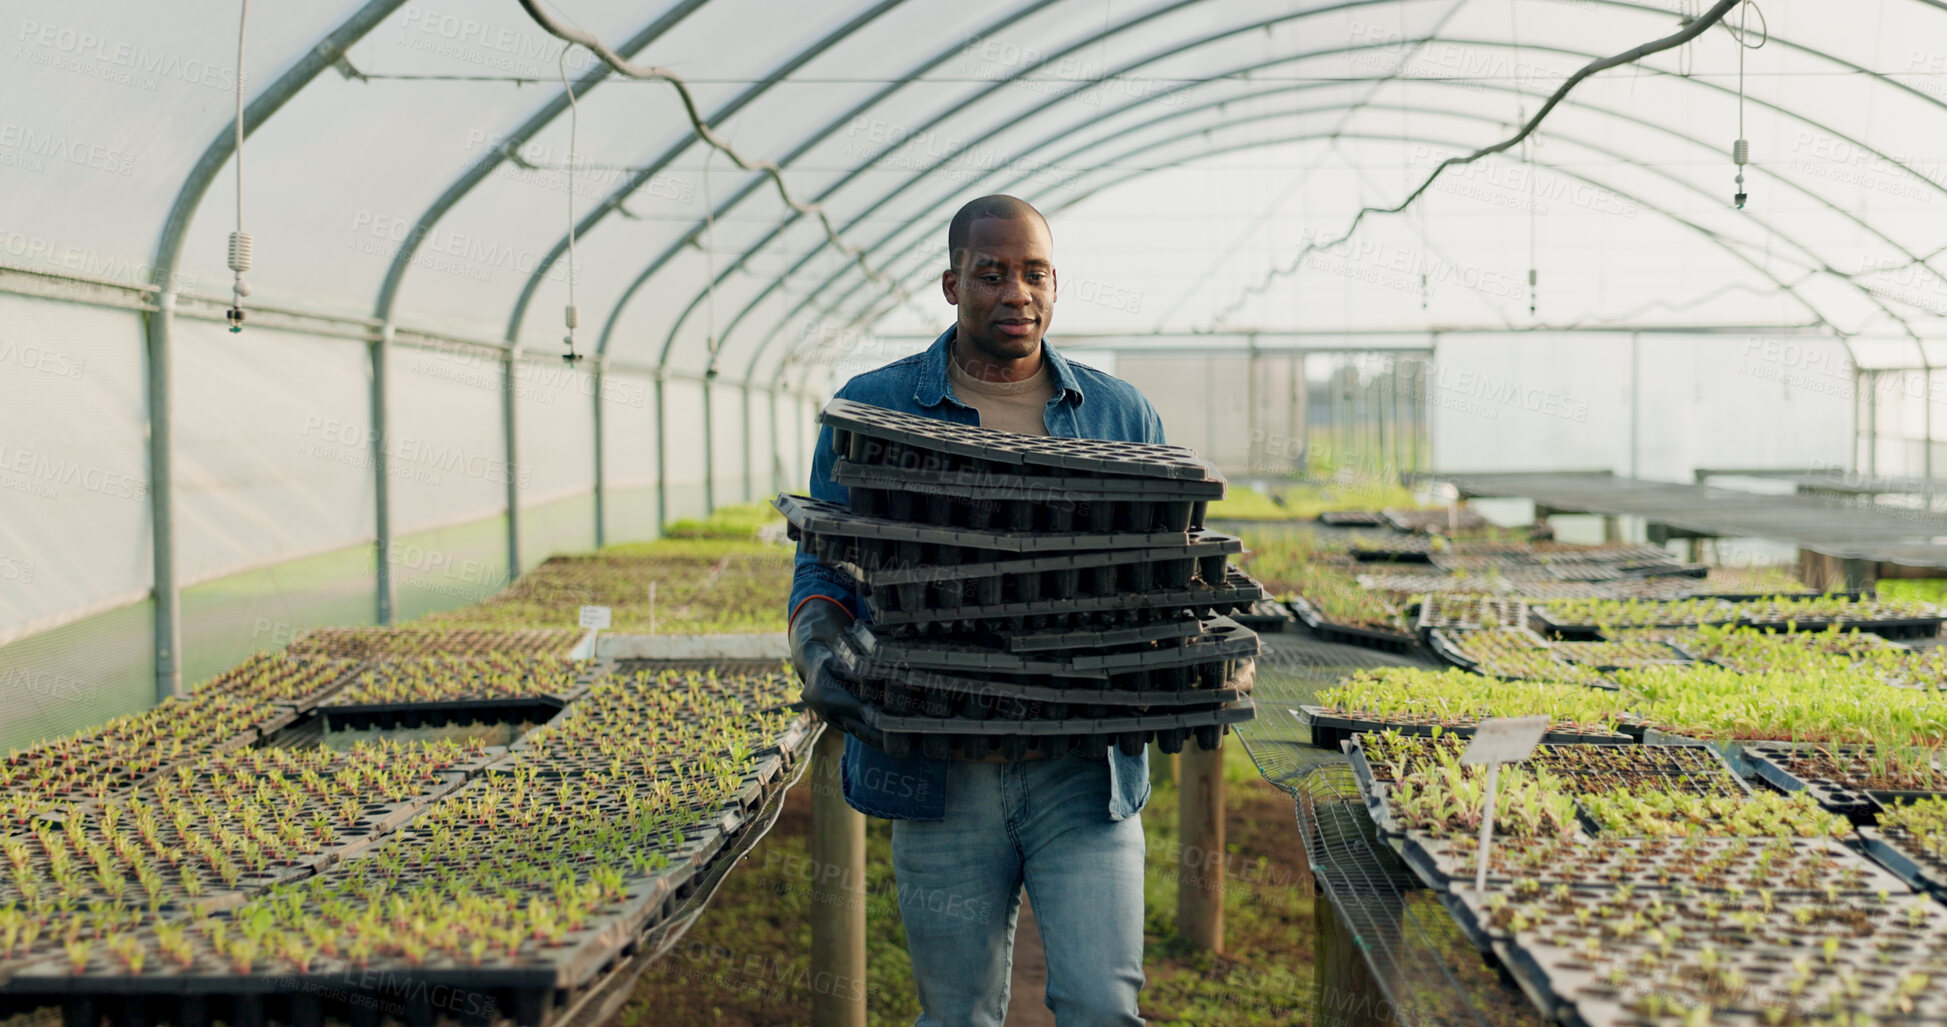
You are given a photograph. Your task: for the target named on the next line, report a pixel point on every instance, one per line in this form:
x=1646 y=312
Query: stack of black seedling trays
x=1026 y=592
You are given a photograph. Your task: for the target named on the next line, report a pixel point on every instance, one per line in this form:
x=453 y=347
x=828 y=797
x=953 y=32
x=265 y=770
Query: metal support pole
x=777 y=453
x=662 y=456
x=162 y=502
x=509 y=396
x=709 y=453
x=1200 y=830
x=1253 y=424
x=1635 y=399
x=601 y=463
x=750 y=470
x=386 y=591
x=838 y=900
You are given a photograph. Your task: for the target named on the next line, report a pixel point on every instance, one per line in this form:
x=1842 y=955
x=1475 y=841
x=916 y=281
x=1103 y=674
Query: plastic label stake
x=1499 y=740
x=596 y=618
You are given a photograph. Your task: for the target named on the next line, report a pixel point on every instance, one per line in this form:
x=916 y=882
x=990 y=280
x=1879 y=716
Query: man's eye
x=990 y=279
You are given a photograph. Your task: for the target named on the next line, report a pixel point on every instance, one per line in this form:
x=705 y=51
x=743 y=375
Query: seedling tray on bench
x=1026 y=502
x=535 y=709
x=1350 y=634
x=1899 y=853
x=1330 y=728
x=1352 y=519
x=869 y=434
x=819 y=520
x=1124 y=608
x=1772 y=762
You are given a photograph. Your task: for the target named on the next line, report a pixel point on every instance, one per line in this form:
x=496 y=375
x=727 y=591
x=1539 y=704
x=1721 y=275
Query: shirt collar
x=934 y=389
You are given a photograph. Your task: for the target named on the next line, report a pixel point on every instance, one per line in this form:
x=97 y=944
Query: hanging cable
x=1691 y=31
x=1741 y=149
x=705 y=132
x=572 y=315
x=241 y=245
x=710 y=268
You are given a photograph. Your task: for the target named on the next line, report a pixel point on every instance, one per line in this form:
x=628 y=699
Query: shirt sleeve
x=810 y=578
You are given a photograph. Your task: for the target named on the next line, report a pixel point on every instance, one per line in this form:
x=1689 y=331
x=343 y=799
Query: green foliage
x=741 y=523
x=1656 y=813
x=1456 y=698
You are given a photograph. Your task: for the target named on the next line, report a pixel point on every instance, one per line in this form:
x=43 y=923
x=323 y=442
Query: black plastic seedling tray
x=868 y=434
x=1102 y=573
x=1051 y=509
x=1454 y=613
x=1266 y=616
x=941 y=736
x=819 y=519
x=1170 y=629
x=1770 y=764
x=1894 y=851
x=1330 y=728
x=1221 y=640
x=1352 y=519
x=1332 y=631
x=1061 y=612
x=536 y=709
x=944 y=694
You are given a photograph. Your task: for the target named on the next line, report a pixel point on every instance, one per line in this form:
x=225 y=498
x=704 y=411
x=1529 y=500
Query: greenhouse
x=560 y=513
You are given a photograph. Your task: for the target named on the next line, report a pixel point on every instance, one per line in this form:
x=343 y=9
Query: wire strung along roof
x=1203 y=164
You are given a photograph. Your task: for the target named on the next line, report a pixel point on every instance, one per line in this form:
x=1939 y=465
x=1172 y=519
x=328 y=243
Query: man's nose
x=1015 y=292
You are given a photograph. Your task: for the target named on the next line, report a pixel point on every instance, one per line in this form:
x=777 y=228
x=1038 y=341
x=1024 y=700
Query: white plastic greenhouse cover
x=406 y=179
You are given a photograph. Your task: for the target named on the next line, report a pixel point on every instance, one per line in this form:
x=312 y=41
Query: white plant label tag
x=1505 y=740
x=595 y=617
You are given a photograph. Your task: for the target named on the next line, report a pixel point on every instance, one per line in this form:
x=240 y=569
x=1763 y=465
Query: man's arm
x=812 y=581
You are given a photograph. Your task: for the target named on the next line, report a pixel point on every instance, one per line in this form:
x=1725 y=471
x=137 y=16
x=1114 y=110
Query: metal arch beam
x=757 y=181
x=929 y=125
x=670 y=339
x=642 y=175
x=1711 y=236
x=614 y=200
x=168 y=255
x=828 y=283
x=1062 y=158
x=1708 y=235
x=1484 y=43
x=458 y=189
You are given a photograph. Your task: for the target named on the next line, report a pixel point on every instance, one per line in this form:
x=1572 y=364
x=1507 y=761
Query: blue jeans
x=1042 y=823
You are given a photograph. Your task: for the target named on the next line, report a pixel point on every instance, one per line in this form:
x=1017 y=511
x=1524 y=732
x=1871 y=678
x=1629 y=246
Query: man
x=967 y=835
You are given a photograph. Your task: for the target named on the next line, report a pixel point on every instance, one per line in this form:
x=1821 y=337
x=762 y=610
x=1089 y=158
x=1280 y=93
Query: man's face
x=1004 y=287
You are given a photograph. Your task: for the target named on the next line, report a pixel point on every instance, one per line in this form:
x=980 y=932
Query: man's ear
x=950 y=285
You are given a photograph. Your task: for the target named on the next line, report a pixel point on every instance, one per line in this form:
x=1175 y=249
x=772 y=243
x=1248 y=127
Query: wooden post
x=1162 y=767
x=1200 y=834
x=838 y=893
x=1345 y=994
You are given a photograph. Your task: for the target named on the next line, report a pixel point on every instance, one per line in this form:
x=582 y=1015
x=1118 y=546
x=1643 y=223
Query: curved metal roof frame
x=830 y=281
x=641 y=176
x=556 y=106
x=810 y=142
x=1730 y=246
x=922 y=173
x=1596 y=108
x=1711 y=236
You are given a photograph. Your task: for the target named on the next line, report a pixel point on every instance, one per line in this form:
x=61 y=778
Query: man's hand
x=814 y=631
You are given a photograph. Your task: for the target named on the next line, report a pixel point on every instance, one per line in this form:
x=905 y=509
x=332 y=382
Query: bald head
x=1004 y=207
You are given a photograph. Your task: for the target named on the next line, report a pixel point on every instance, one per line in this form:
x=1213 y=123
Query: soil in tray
x=1856 y=769
x=1617 y=955
x=1706 y=864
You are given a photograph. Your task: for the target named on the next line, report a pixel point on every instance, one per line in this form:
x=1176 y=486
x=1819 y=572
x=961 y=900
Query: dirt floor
x=745 y=962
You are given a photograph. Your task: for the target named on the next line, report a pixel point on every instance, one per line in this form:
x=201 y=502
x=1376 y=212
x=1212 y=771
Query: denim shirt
x=1087 y=404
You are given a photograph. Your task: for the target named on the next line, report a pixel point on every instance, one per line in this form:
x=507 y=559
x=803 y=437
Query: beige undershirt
x=1008 y=406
